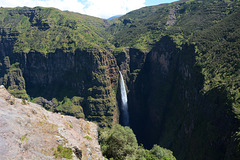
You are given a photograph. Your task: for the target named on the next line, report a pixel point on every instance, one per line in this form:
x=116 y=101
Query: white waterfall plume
x=124 y=107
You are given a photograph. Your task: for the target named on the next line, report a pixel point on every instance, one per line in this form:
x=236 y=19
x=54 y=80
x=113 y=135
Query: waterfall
x=124 y=107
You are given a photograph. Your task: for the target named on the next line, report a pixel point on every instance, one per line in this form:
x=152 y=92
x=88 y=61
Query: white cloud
x=97 y=8
x=108 y=8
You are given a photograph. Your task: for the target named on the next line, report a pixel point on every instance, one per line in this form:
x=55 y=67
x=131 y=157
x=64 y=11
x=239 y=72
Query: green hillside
x=144 y=27
x=180 y=62
x=47 y=29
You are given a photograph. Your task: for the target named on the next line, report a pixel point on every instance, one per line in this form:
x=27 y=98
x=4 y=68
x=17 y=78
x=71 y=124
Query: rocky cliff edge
x=28 y=131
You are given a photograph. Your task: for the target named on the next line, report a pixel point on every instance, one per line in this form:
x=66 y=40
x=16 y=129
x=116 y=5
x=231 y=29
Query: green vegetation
x=218 y=50
x=63 y=152
x=121 y=143
x=24 y=139
x=24 y=102
x=183 y=58
x=52 y=29
x=156 y=153
x=138 y=29
x=118 y=143
x=201 y=85
x=88 y=137
x=70 y=107
x=70 y=125
x=67 y=106
x=49 y=32
x=12 y=78
x=144 y=27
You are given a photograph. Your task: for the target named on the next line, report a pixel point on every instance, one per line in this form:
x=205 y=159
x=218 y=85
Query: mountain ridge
x=180 y=62
x=113 y=17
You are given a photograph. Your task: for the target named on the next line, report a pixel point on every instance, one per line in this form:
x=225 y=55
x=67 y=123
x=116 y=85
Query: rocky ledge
x=28 y=131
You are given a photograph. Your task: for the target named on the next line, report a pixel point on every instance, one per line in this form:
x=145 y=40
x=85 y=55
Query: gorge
x=180 y=63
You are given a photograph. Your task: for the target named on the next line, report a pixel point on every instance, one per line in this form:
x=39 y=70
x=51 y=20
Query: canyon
x=179 y=61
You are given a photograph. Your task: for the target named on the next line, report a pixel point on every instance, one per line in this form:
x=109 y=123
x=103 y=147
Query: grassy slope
x=47 y=29
x=137 y=28
x=143 y=27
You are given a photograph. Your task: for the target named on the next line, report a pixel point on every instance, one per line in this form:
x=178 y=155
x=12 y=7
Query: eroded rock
x=31 y=132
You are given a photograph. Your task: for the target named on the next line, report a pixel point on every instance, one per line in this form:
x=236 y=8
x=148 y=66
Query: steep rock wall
x=130 y=62
x=167 y=106
x=89 y=74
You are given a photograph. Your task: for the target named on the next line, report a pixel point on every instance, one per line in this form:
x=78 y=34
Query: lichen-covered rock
x=28 y=131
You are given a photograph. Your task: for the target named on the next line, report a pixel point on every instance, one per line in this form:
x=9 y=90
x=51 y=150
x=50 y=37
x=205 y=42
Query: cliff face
x=167 y=105
x=185 y=96
x=130 y=62
x=28 y=131
x=91 y=76
x=69 y=65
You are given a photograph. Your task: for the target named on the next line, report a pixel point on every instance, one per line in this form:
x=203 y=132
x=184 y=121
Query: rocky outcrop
x=171 y=18
x=130 y=59
x=130 y=62
x=28 y=131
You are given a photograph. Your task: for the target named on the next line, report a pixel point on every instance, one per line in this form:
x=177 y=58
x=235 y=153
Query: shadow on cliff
x=167 y=106
x=57 y=74
x=77 y=82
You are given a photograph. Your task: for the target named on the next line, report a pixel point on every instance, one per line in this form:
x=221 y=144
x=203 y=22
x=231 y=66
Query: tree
x=162 y=153
x=119 y=143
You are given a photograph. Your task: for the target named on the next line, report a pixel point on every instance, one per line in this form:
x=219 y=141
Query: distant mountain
x=114 y=17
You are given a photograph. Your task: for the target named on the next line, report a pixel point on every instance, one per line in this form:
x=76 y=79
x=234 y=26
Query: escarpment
x=179 y=61
x=167 y=103
x=89 y=74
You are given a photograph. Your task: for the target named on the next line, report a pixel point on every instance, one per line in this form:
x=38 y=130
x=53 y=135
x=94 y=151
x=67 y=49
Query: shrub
x=119 y=142
x=70 y=125
x=162 y=153
x=24 y=138
x=24 y=102
x=63 y=152
x=88 y=137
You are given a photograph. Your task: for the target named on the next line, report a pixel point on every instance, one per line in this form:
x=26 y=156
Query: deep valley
x=180 y=62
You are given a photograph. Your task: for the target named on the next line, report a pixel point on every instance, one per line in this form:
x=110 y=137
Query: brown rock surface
x=28 y=131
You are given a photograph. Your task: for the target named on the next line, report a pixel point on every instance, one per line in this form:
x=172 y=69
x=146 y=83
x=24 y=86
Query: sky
x=96 y=8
